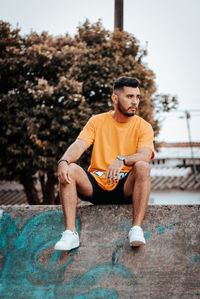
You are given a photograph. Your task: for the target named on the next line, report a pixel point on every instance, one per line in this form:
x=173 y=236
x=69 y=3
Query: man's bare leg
x=141 y=191
x=77 y=181
x=68 y=194
x=138 y=186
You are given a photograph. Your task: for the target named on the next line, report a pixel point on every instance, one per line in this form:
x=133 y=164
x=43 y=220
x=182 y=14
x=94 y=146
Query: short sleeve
x=88 y=132
x=146 y=137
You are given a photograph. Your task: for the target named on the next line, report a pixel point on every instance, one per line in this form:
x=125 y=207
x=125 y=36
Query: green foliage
x=50 y=86
x=165 y=103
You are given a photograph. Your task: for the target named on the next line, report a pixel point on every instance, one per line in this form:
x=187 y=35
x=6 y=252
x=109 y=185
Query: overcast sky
x=171 y=28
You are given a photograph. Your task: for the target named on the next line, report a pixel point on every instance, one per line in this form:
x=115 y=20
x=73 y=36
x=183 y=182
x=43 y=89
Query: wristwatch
x=122 y=158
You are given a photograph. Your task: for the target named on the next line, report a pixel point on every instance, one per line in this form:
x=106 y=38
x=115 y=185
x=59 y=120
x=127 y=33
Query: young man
x=119 y=172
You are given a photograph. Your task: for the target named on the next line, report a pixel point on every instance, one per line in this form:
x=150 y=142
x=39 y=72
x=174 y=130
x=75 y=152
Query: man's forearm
x=74 y=151
x=139 y=156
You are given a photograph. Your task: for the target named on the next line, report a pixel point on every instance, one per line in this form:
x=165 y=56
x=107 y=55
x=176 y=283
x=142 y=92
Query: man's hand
x=63 y=173
x=112 y=174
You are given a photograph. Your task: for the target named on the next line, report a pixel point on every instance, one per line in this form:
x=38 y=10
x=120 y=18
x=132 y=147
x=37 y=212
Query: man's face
x=128 y=100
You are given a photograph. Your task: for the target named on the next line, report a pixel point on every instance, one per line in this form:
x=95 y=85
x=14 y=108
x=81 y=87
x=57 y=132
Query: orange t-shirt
x=111 y=139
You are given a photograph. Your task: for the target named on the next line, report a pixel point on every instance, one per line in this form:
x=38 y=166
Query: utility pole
x=187 y=116
x=119 y=14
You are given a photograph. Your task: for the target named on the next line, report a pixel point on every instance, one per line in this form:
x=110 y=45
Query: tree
x=39 y=116
x=50 y=86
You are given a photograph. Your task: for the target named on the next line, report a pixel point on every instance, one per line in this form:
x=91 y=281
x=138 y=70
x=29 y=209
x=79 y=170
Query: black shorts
x=104 y=197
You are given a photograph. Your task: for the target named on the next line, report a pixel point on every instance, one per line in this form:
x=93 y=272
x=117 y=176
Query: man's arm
x=143 y=154
x=74 y=151
x=72 y=154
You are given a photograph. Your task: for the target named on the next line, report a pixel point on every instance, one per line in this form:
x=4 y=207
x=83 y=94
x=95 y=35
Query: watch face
x=121 y=158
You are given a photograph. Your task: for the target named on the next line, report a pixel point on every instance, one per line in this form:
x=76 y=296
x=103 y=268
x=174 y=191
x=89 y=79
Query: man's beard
x=123 y=111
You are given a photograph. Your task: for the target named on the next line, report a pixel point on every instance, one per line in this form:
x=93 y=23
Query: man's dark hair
x=125 y=81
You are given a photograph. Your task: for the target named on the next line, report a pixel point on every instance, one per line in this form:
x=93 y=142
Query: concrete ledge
x=104 y=266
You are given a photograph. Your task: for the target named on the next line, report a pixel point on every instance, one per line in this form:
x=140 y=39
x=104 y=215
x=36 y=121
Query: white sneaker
x=68 y=241
x=136 y=236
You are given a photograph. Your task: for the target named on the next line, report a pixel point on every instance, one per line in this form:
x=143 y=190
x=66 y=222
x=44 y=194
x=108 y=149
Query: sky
x=169 y=28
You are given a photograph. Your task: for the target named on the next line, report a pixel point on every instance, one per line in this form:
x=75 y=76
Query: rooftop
x=178 y=151
x=165 y=178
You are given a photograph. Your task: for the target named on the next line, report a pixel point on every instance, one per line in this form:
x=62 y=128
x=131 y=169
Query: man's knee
x=142 y=168
x=75 y=170
x=73 y=173
x=73 y=167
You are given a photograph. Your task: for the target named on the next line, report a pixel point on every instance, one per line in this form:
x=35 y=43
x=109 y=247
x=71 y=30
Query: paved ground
x=104 y=266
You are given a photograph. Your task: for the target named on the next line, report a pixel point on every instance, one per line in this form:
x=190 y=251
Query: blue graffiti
x=194 y=259
x=25 y=276
x=161 y=230
x=124 y=226
x=147 y=235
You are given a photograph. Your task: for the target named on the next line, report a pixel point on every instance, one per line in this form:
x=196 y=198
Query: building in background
x=175 y=173
x=172 y=178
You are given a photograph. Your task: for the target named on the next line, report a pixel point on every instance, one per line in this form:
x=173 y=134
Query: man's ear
x=115 y=98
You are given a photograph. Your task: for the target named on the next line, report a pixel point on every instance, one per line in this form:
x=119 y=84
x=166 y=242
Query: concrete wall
x=104 y=266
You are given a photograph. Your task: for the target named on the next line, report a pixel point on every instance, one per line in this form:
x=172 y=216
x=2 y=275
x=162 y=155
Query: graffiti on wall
x=26 y=275
x=30 y=268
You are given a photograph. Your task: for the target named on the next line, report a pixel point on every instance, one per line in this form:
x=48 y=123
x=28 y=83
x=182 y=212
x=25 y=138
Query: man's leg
x=138 y=185
x=68 y=194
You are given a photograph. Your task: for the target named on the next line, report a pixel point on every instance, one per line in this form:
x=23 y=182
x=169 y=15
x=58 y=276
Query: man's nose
x=134 y=100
